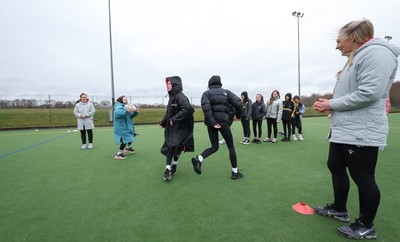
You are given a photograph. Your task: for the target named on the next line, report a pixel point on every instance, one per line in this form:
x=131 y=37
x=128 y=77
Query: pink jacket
x=387 y=105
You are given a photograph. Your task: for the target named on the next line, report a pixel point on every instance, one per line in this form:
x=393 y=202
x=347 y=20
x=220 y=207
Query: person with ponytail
x=359 y=125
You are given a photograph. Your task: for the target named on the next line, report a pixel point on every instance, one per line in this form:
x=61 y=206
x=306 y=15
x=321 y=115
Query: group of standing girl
x=274 y=110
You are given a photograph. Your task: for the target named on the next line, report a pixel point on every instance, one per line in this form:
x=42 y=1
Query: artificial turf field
x=53 y=191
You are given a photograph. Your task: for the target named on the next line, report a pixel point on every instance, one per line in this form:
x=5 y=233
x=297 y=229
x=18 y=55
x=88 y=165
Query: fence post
x=50 y=110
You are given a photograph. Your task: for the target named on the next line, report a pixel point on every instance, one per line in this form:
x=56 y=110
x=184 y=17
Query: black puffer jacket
x=259 y=110
x=216 y=102
x=179 y=136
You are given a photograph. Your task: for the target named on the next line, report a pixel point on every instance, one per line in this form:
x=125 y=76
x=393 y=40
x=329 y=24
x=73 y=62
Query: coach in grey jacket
x=359 y=101
x=358 y=124
x=84 y=112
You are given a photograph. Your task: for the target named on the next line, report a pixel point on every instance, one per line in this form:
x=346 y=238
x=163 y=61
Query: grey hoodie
x=358 y=104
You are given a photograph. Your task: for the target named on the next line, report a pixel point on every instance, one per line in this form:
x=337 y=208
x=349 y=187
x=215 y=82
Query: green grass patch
x=45 y=118
x=53 y=191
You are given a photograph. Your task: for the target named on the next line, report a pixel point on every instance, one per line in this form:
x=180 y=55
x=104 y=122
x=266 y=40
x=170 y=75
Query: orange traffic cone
x=303 y=208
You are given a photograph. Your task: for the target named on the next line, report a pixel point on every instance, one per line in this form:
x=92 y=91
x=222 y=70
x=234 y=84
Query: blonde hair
x=361 y=31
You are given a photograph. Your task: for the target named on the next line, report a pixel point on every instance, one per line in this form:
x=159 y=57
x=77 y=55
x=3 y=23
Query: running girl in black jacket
x=215 y=104
x=178 y=123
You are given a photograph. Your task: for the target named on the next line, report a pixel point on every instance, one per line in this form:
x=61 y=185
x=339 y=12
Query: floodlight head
x=302 y=15
x=387 y=37
x=298 y=14
x=294 y=13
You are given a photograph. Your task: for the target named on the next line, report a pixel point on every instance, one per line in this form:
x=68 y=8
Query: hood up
x=176 y=85
x=215 y=81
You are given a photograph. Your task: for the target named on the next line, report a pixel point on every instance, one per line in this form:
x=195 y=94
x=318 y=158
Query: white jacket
x=87 y=109
x=358 y=103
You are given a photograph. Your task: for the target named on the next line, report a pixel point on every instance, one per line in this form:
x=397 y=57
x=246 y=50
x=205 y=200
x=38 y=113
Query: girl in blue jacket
x=124 y=128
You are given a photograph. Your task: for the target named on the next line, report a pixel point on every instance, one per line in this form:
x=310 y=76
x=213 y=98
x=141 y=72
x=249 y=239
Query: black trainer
x=167 y=175
x=330 y=211
x=357 y=230
x=196 y=165
x=129 y=150
x=236 y=175
x=174 y=167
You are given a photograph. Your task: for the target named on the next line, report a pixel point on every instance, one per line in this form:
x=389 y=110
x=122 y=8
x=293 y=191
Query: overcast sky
x=61 y=47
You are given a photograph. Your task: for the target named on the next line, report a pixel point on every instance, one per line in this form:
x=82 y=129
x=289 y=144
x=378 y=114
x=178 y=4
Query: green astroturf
x=53 y=191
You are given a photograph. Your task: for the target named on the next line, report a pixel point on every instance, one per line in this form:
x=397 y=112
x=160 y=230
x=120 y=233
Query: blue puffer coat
x=124 y=129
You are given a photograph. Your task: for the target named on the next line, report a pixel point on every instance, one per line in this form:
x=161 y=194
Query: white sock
x=168 y=167
x=200 y=158
x=174 y=162
x=235 y=170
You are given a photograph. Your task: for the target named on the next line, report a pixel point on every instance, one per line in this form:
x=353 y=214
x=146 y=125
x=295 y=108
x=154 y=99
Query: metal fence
x=69 y=101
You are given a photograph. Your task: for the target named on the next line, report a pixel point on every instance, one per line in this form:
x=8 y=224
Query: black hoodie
x=179 y=136
x=247 y=106
x=216 y=101
x=288 y=108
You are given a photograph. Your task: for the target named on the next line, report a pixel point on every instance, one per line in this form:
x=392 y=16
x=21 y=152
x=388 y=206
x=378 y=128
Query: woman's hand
x=322 y=105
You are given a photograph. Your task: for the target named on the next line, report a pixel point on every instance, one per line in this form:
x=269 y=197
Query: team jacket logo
x=350 y=151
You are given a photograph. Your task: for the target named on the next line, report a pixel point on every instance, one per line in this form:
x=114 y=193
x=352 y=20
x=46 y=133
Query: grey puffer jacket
x=275 y=109
x=358 y=103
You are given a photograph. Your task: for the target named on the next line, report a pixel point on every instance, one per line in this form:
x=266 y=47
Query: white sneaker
x=243 y=140
x=90 y=146
x=222 y=141
x=83 y=147
x=267 y=140
x=274 y=140
x=294 y=137
x=301 y=137
x=246 y=142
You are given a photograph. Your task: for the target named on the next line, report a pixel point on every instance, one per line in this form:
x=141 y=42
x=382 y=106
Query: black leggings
x=361 y=163
x=227 y=135
x=170 y=155
x=296 y=123
x=246 y=127
x=287 y=128
x=83 y=135
x=271 y=122
x=122 y=146
x=259 y=124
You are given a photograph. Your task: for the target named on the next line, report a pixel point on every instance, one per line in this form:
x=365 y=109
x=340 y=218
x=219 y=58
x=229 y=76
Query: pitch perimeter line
x=34 y=145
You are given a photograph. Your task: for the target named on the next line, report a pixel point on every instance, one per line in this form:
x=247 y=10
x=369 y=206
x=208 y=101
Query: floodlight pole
x=111 y=56
x=298 y=15
x=388 y=38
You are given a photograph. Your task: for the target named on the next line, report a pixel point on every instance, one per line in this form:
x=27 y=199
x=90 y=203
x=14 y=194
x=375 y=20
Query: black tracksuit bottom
x=227 y=135
x=246 y=127
x=287 y=128
x=257 y=123
x=361 y=163
x=271 y=123
x=83 y=135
